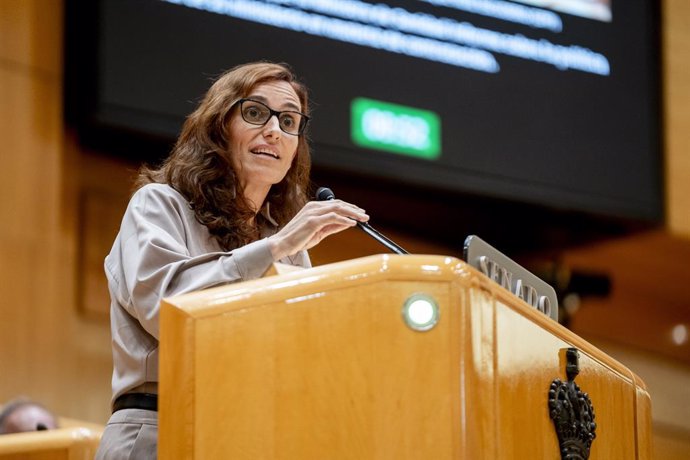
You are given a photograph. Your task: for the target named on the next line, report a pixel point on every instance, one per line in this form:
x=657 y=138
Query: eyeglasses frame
x=276 y=113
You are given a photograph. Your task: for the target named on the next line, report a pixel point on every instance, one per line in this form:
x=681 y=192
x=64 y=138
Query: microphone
x=325 y=194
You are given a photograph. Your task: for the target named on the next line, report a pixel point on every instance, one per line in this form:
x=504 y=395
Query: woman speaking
x=230 y=199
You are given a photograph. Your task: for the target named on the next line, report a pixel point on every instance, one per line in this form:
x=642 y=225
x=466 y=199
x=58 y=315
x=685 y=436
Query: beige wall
x=53 y=346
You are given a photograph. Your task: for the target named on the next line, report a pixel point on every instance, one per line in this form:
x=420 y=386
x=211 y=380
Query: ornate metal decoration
x=572 y=412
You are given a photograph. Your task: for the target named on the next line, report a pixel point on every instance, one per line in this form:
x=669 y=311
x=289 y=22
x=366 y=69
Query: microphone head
x=324 y=194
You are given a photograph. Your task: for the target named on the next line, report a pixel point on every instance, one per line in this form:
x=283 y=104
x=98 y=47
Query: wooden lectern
x=343 y=361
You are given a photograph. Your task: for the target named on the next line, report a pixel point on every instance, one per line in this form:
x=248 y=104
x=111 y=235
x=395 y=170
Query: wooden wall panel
x=104 y=190
x=47 y=352
x=30 y=184
x=676 y=83
x=25 y=25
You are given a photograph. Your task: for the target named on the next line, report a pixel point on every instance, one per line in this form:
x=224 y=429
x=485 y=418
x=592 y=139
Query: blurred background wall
x=61 y=206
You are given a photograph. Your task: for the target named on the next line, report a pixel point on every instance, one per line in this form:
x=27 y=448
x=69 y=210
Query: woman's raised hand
x=314 y=222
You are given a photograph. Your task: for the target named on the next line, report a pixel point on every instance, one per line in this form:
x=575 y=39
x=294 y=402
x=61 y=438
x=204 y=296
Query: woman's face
x=262 y=155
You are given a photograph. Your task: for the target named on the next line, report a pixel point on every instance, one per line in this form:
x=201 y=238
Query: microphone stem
x=380 y=238
x=326 y=194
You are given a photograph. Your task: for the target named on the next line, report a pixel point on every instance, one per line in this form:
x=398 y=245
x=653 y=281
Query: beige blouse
x=162 y=251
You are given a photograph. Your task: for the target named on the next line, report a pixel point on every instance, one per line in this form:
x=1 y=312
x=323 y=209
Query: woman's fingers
x=338 y=206
x=325 y=232
x=314 y=222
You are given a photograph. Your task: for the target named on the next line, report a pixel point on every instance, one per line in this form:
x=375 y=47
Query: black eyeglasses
x=258 y=113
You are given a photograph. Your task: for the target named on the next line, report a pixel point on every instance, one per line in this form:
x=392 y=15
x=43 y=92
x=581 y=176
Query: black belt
x=146 y=401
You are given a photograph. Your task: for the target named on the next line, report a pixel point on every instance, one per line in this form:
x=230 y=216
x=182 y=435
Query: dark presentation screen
x=555 y=105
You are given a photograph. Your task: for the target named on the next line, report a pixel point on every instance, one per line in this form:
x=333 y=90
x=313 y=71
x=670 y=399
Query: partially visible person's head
x=22 y=415
x=201 y=167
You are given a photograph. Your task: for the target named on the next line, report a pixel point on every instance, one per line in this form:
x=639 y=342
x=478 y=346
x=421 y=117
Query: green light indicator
x=396 y=128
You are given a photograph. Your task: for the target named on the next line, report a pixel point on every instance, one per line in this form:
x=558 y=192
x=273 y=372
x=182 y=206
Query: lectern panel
x=528 y=359
x=322 y=363
x=334 y=374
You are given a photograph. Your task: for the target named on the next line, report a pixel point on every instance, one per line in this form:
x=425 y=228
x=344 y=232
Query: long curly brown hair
x=199 y=165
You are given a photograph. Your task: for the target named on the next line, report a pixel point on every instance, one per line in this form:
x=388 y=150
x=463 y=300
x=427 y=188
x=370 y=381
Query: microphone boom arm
x=381 y=238
x=325 y=194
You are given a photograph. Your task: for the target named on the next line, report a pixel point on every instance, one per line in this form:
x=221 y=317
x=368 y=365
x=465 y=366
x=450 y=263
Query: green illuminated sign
x=396 y=128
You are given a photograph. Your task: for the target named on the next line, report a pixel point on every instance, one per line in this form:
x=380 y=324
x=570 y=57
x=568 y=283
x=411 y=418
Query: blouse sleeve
x=151 y=260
